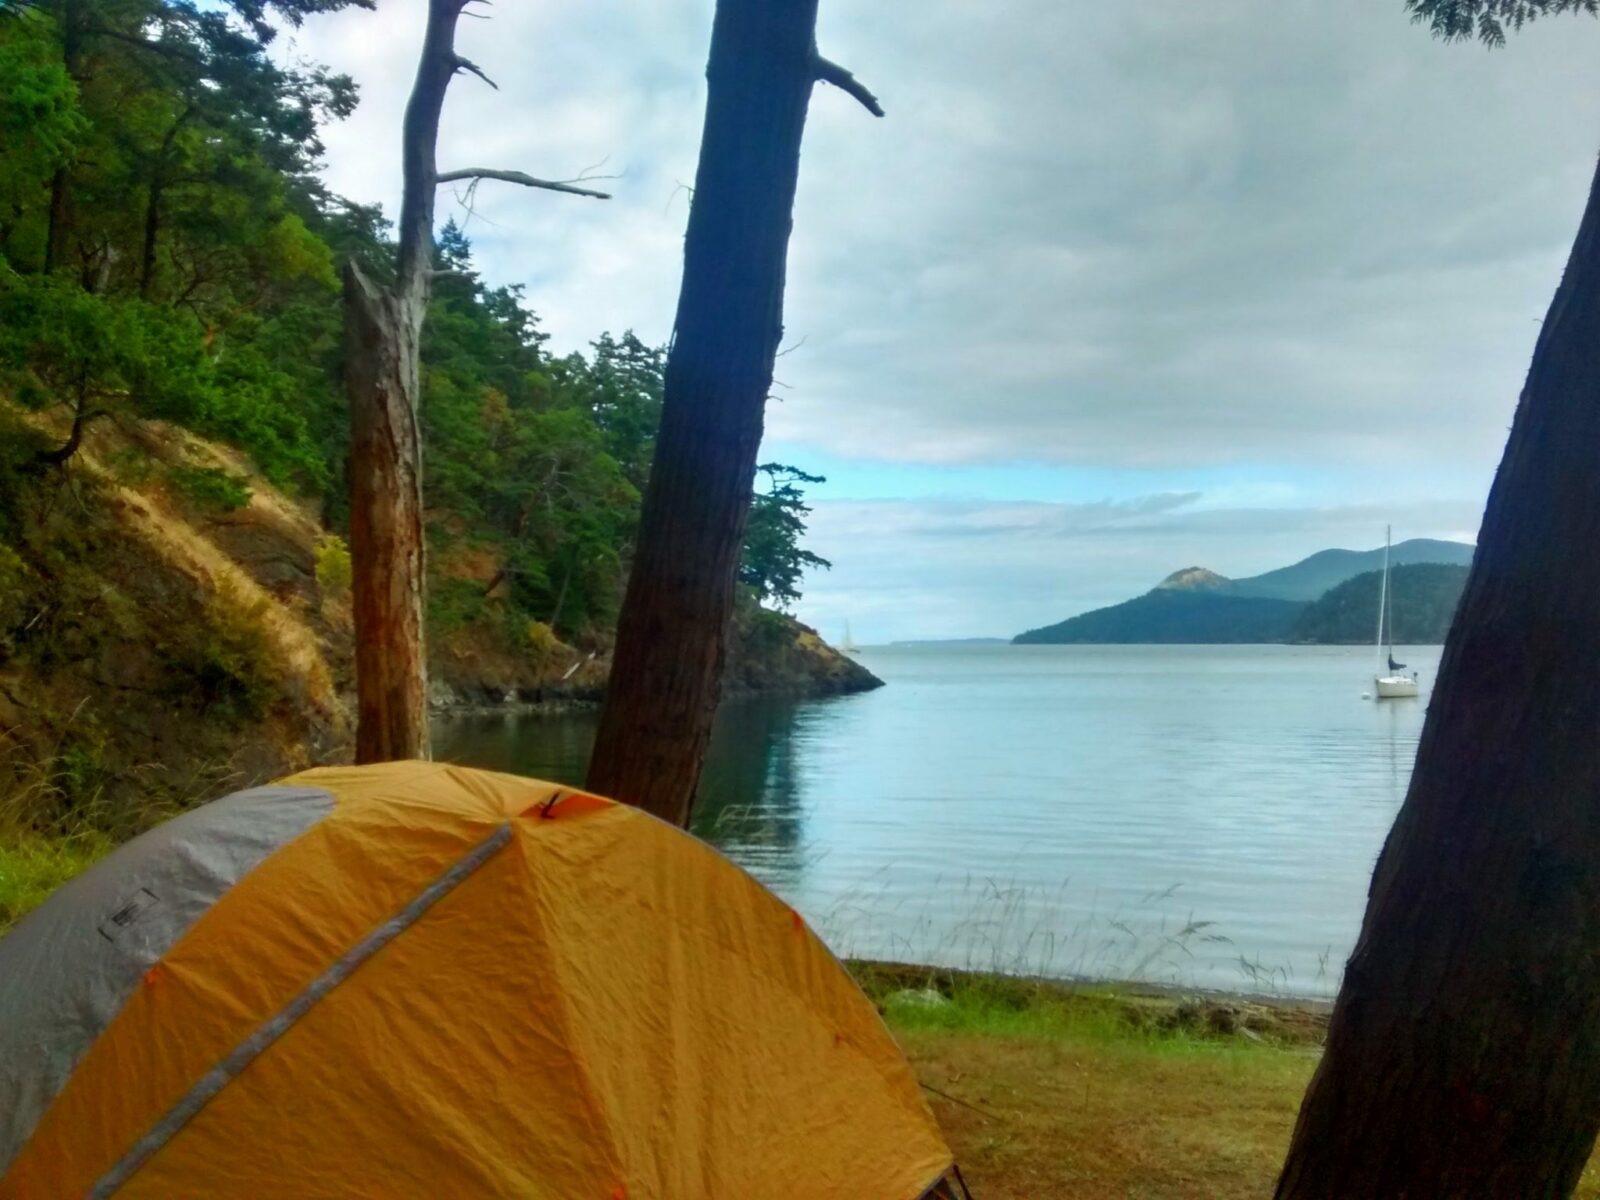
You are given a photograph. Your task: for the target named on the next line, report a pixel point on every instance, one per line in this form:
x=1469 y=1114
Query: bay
x=1194 y=816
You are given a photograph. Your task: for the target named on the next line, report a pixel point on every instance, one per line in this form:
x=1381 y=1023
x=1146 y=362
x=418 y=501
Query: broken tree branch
x=832 y=72
x=476 y=173
x=472 y=68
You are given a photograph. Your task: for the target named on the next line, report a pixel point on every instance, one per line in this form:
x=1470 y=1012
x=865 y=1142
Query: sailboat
x=1388 y=683
x=848 y=644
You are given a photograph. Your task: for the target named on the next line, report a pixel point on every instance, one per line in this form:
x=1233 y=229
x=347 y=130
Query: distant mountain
x=968 y=641
x=1423 y=598
x=1311 y=577
x=1198 y=605
x=1176 y=615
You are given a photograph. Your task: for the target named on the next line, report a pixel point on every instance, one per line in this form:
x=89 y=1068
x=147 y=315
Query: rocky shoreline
x=772 y=655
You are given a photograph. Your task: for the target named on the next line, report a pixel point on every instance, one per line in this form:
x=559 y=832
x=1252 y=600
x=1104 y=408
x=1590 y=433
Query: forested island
x=1422 y=598
x=1295 y=604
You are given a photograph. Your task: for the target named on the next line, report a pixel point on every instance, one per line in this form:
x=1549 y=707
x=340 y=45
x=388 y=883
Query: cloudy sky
x=1114 y=289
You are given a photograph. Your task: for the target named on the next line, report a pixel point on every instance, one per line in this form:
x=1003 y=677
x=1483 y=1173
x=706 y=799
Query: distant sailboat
x=848 y=644
x=1389 y=683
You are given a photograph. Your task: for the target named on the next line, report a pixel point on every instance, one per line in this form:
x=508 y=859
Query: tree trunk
x=152 y=229
x=1463 y=1057
x=383 y=335
x=56 y=230
x=561 y=597
x=152 y=208
x=666 y=673
x=60 y=215
x=81 y=416
x=386 y=531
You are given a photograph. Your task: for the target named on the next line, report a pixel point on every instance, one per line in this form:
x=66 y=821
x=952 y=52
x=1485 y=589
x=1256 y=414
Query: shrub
x=211 y=487
x=334 y=572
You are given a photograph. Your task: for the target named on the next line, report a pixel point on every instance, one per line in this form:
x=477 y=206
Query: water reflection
x=752 y=794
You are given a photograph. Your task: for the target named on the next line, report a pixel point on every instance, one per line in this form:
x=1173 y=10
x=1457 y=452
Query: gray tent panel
x=67 y=969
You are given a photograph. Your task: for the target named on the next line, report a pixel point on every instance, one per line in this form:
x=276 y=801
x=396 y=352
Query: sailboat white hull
x=1394 y=687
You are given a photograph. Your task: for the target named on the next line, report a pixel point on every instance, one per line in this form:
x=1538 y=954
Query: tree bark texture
x=666 y=673
x=1463 y=1058
x=386 y=529
x=383 y=335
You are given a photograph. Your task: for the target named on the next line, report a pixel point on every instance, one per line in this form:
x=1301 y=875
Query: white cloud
x=1133 y=234
x=1288 y=235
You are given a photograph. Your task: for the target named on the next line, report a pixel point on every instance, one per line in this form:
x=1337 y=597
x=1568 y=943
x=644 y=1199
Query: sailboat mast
x=1383 y=597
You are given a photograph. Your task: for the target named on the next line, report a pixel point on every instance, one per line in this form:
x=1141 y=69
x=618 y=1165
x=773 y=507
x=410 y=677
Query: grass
x=33 y=866
x=1101 y=1092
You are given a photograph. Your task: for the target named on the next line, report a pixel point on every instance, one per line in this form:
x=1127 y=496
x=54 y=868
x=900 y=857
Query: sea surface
x=1197 y=816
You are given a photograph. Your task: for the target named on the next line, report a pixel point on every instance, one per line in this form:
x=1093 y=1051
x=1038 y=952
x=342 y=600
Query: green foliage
x=33 y=866
x=61 y=343
x=334 y=571
x=1422 y=597
x=40 y=124
x=524 y=452
x=167 y=251
x=1488 y=20
x=541 y=642
x=211 y=487
x=773 y=562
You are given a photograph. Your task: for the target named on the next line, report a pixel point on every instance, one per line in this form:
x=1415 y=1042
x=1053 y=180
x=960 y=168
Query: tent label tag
x=127 y=913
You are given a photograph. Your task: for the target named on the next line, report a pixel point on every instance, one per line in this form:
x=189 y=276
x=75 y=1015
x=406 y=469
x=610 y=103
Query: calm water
x=1198 y=815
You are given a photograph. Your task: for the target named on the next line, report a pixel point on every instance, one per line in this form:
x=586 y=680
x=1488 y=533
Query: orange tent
x=420 y=980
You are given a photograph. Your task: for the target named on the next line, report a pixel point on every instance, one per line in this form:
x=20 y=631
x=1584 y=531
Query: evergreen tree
x=773 y=561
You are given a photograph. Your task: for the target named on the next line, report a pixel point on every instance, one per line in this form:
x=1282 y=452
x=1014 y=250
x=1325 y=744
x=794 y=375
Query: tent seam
x=210 y=1085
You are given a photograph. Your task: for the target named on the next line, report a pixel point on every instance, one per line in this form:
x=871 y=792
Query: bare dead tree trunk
x=383 y=336
x=666 y=674
x=383 y=333
x=1463 y=1057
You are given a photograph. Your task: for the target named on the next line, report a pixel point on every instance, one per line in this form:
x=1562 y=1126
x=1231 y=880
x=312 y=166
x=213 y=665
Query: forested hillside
x=1197 y=605
x=1311 y=577
x=170 y=374
x=1422 y=602
x=1174 y=615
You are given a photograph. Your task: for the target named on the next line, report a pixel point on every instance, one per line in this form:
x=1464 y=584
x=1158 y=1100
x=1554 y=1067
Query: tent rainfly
x=419 y=980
